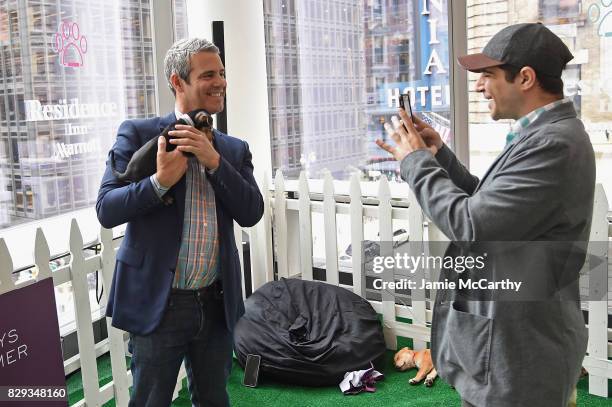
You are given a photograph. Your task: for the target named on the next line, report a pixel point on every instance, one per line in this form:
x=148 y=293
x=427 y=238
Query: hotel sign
x=70 y=110
x=64 y=110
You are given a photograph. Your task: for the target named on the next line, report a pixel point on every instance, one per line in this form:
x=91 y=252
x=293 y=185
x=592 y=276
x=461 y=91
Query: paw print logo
x=601 y=13
x=70 y=44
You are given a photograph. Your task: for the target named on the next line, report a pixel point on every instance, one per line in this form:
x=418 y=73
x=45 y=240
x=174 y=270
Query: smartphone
x=404 y=102
x=251 y=370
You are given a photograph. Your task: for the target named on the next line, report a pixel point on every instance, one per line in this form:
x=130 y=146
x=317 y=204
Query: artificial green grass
x=394 y=390
x=74 y=381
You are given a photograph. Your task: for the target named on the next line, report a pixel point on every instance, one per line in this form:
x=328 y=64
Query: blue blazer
x=147 y=257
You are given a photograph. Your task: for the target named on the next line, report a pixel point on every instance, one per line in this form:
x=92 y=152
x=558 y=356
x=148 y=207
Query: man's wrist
x=159 y=188
x=212 y=166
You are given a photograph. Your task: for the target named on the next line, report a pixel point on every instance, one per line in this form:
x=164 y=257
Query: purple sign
x=31 y=363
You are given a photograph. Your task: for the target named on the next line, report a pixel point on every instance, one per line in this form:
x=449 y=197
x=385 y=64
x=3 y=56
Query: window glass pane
x=336 y=70
x=586 y=28
x=180 y=19
x=70 y=72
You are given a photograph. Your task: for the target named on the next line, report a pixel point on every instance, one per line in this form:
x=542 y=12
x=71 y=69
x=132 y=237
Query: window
x=379 y=52
x=347 y=63
x=65 y=86
x=559 y=11
x=81 y=70
x=584 y=28
x=181 y=29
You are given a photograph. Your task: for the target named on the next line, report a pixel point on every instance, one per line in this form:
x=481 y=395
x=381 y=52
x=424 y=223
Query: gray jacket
x=540 y=188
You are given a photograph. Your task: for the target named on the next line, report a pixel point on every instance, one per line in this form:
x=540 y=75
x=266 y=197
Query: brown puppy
x=406 y=359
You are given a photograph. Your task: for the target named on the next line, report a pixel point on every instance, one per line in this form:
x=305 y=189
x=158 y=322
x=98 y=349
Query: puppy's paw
x=413 y=381
x=429 y=382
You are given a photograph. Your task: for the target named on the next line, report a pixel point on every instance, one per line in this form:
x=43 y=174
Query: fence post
x=115 y=336
x=82 y=310
x=385 y=219
x=261 y=242
x=42 y=256
x=6 y=269
x=356 y=219
x=331 y=237
x=280 y=225
x=416 y=247
x=268 y=251
x=598 y=308
x=305 y=219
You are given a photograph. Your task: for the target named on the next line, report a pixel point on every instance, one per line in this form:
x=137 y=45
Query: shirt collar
x=184 y=116
x=532 y=116
x=177 y=112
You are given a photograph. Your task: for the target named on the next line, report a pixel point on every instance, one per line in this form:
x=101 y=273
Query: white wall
x=245 y=64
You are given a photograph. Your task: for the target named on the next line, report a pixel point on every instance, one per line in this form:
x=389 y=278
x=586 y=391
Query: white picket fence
x=292 y=227
x=285 y=234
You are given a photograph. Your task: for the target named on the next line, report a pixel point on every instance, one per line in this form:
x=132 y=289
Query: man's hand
x=191 y=140
x=171 y=166
x=430 y=136
x=409 y=138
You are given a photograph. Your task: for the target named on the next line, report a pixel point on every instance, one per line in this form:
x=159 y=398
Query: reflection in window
x=50 y=195
x=378 y=50
x=79 y=187
x=340 y=67
x=60 y=60
x=559 y=11
x=605 y=92
x=15 y=151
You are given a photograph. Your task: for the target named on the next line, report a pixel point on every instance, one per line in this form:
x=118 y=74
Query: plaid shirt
x=198 y=260
x=531 y=117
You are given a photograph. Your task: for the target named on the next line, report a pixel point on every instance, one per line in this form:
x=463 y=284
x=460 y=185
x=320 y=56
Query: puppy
x=144 y=161
x=406 y=359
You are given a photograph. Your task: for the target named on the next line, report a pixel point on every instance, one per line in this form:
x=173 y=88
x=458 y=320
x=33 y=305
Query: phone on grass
x=251 y=370
x=404 y=102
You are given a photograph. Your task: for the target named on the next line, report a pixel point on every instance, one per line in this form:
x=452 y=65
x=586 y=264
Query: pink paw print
x=70 y=44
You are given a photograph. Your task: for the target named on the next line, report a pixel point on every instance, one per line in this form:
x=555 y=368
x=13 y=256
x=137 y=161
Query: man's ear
x=176 y=82
x=527 y=77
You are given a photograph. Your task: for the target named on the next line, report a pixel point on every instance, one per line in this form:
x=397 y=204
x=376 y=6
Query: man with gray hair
x=177 y=284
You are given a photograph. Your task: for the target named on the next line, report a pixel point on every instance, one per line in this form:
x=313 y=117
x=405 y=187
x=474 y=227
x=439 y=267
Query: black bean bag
x=309 y=333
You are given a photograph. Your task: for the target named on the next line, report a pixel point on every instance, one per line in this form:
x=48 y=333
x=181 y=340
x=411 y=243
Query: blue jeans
x=193 y=328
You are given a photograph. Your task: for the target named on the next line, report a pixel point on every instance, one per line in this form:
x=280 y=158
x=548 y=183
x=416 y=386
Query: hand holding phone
x=404 y=101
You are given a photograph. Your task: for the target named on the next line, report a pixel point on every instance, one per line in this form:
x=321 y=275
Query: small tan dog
x=406 y=359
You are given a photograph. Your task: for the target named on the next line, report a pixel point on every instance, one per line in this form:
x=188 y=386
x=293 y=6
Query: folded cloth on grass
x=360 y=380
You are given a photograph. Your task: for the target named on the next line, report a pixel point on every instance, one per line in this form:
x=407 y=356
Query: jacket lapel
x=164 y=121
x=220 y=143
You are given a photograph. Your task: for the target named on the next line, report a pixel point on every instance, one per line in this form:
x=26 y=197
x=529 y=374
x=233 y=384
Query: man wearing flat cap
x=539 y=189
